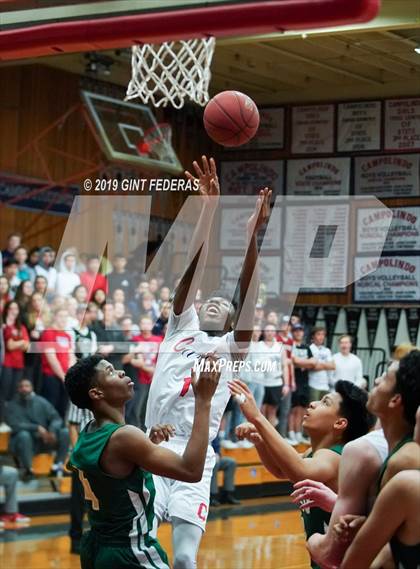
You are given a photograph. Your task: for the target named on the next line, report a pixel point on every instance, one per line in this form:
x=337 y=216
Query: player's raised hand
x=160 y=433
x=208 y=182
x=311 y=494
x=247 y=431
x=261 y=213
x=245 y=399
x=205 y=386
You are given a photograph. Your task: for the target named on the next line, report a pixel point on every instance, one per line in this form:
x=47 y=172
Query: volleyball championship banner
x=233 y=230
x=402 y=124
x=270 y=270
x=313 y=129
x=390 y=176
x=242 y=177
x=270 y=133
x=359 y=126
x=389 y=279
x=321 y=269
x=318 y=177
x=403 y=234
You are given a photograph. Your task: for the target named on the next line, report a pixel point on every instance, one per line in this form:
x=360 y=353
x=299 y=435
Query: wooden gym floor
x=264 y=534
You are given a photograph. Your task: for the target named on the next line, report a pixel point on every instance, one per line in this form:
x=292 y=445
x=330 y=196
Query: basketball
x=231 y=118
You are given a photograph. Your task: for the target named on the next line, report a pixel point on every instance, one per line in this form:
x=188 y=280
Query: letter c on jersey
x=202 y=511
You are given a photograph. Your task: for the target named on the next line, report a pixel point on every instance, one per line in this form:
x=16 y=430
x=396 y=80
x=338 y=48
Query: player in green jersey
x=115 y=463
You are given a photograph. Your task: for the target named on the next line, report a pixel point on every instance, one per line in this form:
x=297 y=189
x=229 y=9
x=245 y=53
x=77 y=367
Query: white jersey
x=171 y=398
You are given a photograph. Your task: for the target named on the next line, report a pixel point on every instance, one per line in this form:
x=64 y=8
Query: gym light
x=417 y=49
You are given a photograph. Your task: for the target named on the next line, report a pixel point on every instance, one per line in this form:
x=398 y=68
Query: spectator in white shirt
x=45 y=268
x=347 y=365
x=273 y=363
x=67 y=277
x=320 y=377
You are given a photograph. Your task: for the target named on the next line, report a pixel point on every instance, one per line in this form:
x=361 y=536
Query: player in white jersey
x=190 y=335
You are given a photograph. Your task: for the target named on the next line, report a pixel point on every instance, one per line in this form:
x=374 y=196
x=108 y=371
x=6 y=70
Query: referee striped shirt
x=79 y=417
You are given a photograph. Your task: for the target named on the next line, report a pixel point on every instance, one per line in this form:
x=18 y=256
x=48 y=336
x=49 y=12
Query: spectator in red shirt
x=16 y=342
x=91 y=278
x=145 y=361
x=57 y=356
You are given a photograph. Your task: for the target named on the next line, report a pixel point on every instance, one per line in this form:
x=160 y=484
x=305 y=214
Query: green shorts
x=97 y=553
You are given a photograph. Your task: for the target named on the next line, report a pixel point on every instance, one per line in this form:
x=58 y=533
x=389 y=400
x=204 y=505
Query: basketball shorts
x=100 y=553
x=188 y=501
x=273 y=396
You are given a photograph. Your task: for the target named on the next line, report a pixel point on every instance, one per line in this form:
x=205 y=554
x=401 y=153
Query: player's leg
x=188 y=508
x=186 y=538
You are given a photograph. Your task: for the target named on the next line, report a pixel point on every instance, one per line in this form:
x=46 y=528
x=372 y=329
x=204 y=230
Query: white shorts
x=188 y=501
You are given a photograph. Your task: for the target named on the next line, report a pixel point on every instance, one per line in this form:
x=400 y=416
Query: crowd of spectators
x=79 y=304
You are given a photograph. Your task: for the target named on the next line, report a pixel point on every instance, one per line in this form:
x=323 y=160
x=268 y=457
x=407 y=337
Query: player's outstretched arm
x=322 y=467
x=249 y=279
x=133 y=446
x=209 y=190
x=384 y=520
x=249 y=432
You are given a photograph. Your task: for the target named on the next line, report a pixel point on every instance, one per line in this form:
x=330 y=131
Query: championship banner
x=247 y=177
x=269 y=272
x=313 y=129
x=372 y=321
x=270 y=133
x=394 y=279
x=388 y=176
x=233 y=231
x=402 y=124
x=359 y=126
x=402 y=235
x=318 y=177
x=306 y=269
x=392 y=319
x=413 y=321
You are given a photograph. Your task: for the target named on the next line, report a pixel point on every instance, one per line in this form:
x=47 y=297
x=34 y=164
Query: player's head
x=217 y=314
x=93 y=382
x=396 y=394
x=342 y=414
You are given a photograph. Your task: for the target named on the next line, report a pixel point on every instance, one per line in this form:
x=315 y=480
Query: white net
x=171 y=72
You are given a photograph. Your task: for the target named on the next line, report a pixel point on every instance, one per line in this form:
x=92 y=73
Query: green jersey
x=120 y=509
x=317 y=520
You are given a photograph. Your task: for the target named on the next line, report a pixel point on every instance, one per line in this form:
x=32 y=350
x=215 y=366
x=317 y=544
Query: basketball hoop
x=171 y=72
x=158 y=140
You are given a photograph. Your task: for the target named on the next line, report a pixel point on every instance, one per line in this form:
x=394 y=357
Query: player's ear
x=395 y=401
x=96 y=394
x=341 y=424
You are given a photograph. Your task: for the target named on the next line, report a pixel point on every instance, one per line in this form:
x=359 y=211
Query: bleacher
x=47 y=495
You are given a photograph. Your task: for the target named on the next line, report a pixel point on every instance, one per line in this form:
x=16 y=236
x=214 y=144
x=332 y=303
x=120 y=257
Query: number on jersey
x=89 y=495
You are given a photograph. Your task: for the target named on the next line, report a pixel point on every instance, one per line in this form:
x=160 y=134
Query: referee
x=78 y=419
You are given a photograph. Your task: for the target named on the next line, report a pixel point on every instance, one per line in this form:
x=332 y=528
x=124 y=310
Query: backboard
x=31 y=28
x=121 y=127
